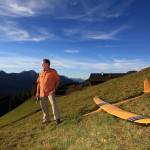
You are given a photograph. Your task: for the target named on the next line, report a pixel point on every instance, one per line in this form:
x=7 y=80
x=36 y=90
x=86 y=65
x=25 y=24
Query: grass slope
x=97 y=131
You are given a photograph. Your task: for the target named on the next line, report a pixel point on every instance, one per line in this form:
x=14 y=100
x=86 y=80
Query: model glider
x=113 y=110
x=146 y=86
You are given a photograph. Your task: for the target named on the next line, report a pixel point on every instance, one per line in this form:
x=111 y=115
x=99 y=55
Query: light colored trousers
x=44 y=106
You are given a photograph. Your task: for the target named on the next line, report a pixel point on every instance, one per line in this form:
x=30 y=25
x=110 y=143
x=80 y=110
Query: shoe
x=44 y=122
x=58 y=121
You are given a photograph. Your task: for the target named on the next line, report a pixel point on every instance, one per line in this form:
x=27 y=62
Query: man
x=48 y=81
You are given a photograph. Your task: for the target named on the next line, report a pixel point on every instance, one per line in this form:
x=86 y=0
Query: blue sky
x=78 y=36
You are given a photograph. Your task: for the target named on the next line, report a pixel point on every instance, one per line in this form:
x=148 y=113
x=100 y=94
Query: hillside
x=22 y=128
x=15 y=84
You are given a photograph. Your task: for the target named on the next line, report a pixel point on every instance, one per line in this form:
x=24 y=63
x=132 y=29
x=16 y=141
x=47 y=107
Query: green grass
x=21 y=129
x=28 y=108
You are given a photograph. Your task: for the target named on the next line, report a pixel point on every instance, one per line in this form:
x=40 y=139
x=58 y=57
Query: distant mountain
x=14 y=82
x=78 y=80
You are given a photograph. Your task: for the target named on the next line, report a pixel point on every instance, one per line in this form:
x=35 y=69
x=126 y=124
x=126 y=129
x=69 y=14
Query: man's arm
x=38 y=90
x=56 y=86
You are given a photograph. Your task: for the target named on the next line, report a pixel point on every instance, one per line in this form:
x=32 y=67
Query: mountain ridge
x=14 y=82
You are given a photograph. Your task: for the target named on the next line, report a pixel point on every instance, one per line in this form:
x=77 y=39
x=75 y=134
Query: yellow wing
x=113 y=110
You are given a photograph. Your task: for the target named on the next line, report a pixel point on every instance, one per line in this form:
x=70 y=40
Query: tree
x=13 y=102
x=33 y=89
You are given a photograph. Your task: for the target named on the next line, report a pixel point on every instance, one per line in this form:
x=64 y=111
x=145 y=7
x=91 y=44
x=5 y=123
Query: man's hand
x=37 y=95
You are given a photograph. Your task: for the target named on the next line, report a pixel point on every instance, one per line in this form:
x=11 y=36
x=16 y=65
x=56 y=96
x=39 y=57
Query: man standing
x=48 y=81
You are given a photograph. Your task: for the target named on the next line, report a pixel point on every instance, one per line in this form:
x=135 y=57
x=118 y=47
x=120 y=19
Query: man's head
x=45 y=63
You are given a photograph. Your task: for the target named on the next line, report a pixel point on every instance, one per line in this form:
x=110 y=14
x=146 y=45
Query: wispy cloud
x=10 y=31
x=76 y=64
x=124 y=64
x=101 y=10
x=113 y=65
x=65 y=9
x=85 y=34
x=60 y=9
x=106 y=36
x=20 y=63
x=100 y=36
x=110 y=46
x=71 y=51
x=115 y=8
x=19 y=8
x=11 y=63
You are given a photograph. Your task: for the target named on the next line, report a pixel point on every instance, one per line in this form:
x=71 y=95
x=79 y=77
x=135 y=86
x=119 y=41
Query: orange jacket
x=47 y=81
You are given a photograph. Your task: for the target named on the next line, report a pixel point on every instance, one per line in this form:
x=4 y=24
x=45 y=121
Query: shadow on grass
x=20 y=118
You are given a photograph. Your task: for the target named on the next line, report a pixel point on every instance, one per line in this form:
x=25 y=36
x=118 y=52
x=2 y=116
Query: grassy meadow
x=21 y=129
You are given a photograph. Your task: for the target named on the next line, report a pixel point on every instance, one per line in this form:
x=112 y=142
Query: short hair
x=47 y=61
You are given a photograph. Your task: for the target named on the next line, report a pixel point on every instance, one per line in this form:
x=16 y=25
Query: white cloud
x=106 y=36
x=115 y=8
x=101 y=36
x=26 y=63
x=114 y=65
x=19 y=8
x=65 y=9
x=110 y=46
x=124 y=64
x=85 y=34
x=101 y=10
x=71 y=51
x=18 y=63
x=77 y=64
x=11 y=32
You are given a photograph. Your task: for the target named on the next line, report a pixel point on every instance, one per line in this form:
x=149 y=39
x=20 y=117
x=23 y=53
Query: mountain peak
x=30 y=72
x=2 y=72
